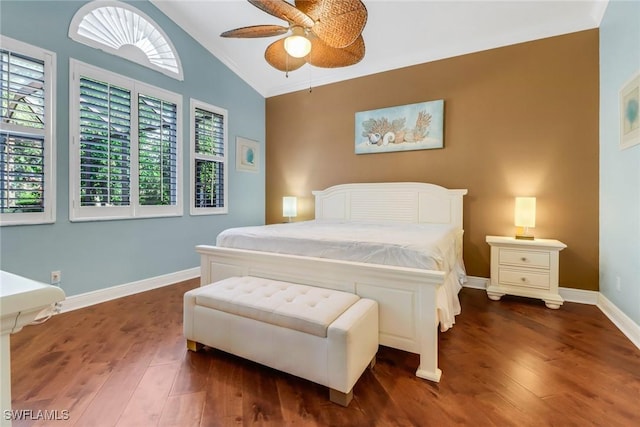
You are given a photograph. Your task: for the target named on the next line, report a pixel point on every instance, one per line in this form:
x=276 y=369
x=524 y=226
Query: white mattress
x=426 y=246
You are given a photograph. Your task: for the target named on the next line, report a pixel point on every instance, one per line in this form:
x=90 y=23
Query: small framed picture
x=247 y=155
x=630 y=113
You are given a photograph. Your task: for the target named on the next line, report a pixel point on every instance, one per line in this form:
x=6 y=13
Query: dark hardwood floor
x=507 y=363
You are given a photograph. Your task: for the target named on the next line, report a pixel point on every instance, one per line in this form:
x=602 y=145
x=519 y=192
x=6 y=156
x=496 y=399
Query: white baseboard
x=579 y=295
x=476 y=282
x=75 y=302
x=621 y=320
x=569 y=294
x=627 y=326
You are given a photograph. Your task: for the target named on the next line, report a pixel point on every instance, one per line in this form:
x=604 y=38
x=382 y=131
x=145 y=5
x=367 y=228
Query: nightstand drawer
x=524 y=258
x=523 y=278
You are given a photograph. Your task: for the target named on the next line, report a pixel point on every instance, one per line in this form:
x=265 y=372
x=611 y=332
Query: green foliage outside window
x=209 y=169
x=105 y=118
x=157 y=151
x=105 y=147
x=21 y=148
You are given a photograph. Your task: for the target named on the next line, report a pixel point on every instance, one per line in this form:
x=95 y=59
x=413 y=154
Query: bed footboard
x=406 y=297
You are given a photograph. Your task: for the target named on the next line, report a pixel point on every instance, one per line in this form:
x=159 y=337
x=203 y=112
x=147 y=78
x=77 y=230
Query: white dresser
x=21 y=301
x=527 y=268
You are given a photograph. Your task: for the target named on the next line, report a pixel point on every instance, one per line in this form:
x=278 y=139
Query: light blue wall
x=619 y=170
x=97 y=255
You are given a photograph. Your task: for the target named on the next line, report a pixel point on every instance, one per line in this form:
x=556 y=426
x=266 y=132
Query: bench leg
x=194 y=346
x=372 y=364
x=340 y=398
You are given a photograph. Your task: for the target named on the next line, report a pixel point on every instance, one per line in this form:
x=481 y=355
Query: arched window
x=121 y=29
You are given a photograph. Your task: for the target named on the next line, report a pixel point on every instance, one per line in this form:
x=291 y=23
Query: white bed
x=414 y=245
x=415 y=276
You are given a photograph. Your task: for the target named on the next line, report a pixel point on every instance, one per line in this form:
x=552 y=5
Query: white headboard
x=391 y=201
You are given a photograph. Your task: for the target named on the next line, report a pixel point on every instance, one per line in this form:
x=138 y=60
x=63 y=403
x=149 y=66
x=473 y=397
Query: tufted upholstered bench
x=325 y=336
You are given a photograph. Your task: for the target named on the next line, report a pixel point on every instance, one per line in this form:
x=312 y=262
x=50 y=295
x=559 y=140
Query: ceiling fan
x=323 y=33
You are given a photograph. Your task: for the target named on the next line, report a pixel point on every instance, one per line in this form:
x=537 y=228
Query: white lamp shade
x=289 y=206
x=525 y=212
x=297 y=46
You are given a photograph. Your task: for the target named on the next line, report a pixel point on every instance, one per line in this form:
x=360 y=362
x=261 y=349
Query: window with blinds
x=126 y=147
x=157 y=132
x=209 y=148
x=105 y=144
x=22 y=180
x=26 y=134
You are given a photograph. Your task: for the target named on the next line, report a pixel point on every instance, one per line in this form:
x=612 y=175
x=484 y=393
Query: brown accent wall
x=519 y=120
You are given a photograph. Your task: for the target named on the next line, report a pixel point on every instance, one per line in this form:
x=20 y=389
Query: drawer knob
x=523 y=259
x=524 y=279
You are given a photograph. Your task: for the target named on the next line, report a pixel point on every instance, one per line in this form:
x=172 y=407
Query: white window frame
x=121 y=29
x=48 y=215
x=78 y=69
x=194 y=103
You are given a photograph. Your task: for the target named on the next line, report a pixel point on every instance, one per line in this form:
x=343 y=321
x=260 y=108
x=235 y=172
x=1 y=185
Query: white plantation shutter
x=125 y=156
x=123 y=30
x=22 y=177
x=209 y=184
x=105 y=144
x=22 y=90
x=26 y=134
x=209 y=172
x=157 y=151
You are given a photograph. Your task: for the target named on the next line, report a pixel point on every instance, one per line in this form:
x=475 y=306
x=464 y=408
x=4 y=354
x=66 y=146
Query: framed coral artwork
x=630 y=113
x=407 y=127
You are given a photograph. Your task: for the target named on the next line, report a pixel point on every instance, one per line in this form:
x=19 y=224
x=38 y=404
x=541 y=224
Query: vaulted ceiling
x=398 y=33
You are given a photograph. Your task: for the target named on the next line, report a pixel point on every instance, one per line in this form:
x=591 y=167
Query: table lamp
x=525 y=216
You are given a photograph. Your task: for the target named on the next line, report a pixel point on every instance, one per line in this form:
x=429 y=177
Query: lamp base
x=524 y=237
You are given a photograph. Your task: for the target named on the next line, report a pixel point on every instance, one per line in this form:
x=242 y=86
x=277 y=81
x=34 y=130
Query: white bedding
x=425 y=246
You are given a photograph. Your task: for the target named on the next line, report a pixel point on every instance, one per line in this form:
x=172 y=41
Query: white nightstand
x=527 y=268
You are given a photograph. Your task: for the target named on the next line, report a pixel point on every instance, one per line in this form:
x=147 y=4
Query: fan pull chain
x=286 y=62
x=310 y=88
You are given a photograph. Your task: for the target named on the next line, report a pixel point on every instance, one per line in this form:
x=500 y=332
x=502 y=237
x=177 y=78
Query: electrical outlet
x=56 y=277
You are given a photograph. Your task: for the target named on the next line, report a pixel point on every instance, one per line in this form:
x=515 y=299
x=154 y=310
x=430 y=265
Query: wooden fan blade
x=310 y=7
x=279 y=59
x=283 y=10
x=256 y=31
x=325 y=56
x=339 y=22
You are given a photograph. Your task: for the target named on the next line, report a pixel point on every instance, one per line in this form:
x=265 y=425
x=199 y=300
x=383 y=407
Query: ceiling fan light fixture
x=297 y=45
x=322 y=33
